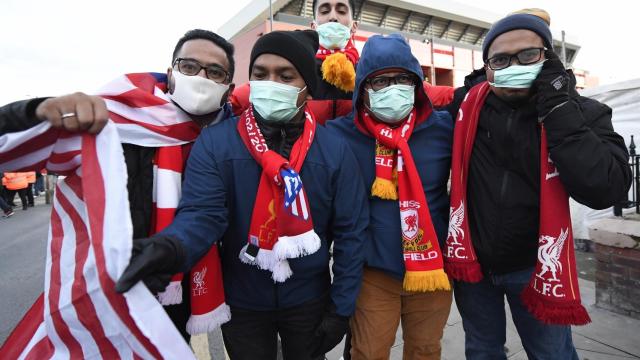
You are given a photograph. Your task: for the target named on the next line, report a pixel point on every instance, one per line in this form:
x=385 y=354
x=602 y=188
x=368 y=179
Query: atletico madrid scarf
x=338 y=65
x=395 y=168
x=553 y=295
x=281 y=225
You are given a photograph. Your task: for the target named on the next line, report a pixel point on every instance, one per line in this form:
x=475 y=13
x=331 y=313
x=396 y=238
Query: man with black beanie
x=524 y=142
x=273 y=190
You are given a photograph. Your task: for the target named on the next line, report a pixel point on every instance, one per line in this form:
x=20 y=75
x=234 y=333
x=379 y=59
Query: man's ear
x=170 y=81
x=354 y=27
x=313 y=25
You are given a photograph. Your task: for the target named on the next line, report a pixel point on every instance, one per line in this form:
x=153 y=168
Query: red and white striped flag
x=80 y=315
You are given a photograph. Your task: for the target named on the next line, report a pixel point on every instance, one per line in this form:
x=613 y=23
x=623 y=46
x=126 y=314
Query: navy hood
x=386 y=52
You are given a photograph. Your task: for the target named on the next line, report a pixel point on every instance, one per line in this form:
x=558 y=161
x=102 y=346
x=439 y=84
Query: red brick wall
x=618 y=279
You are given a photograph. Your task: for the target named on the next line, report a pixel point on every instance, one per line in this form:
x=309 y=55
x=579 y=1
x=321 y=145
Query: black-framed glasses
x=192 y=67
x=382 y=81
x=524 y=57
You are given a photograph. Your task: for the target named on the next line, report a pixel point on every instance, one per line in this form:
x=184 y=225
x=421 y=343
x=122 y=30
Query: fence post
x=635 y=169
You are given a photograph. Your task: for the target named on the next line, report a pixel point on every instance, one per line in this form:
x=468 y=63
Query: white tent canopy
x=624 y=99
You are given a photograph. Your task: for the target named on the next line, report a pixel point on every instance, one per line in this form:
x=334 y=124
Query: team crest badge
x=409 y=218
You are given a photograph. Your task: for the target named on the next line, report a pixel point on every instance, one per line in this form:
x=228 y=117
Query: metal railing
x=634 y=163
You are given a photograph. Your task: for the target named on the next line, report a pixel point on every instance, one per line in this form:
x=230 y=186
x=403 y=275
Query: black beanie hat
x=299 y=47
x=516 y=22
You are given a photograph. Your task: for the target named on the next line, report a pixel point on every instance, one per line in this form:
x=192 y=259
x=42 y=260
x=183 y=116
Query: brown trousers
x=381 y=305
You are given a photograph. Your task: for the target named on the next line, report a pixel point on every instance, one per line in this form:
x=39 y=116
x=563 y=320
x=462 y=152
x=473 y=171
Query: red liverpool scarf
x=553 y=295
x=349 y=51
x=208 y=309
x=394 y=164
x=281 y=225
x=338 y=66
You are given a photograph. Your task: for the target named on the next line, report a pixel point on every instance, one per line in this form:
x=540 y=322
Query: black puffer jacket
x=504 y=171
x=19 y=115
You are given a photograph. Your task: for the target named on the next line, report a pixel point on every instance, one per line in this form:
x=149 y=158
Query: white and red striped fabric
x=80 y=315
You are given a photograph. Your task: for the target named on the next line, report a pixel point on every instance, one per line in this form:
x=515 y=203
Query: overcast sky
x=52 y=47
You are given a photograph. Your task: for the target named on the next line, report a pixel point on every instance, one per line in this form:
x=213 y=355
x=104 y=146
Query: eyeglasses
x=192 y=67
x=524 y=57
x=381 y=82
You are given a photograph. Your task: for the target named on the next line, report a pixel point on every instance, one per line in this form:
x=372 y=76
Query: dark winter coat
x=504 y=172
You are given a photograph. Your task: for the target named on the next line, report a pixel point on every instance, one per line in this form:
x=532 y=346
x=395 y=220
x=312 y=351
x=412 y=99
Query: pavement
x=610 y=336
x=23 y=241
x=22 y=255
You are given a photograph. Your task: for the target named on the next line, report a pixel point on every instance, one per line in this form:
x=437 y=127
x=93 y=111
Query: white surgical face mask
x=196 y=95
x=392 y=104
x=333 y=35
x=275 y=102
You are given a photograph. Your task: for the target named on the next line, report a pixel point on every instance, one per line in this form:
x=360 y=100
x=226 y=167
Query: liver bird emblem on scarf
x=549 y=254
x=455 y=223
x=198 y=278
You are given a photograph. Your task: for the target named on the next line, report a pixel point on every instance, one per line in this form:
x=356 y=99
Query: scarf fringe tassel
x=337 y=70
x=204 y=323
x=281 y=271
x=267 y=260
x=423 y=281
x=172 y=295
x=466 y=272
x=289 y=247
x=559 y=313
x=384 y=189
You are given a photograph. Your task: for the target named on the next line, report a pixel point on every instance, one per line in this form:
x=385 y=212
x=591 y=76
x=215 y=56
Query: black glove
x=154 y=260
x=329 y=333
x=552 y=84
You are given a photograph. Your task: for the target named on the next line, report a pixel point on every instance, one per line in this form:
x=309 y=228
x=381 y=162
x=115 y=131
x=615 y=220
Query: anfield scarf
x=208 y=309
x=338 y=66
x=394 y=165
x=552 y=296
x=281 y=225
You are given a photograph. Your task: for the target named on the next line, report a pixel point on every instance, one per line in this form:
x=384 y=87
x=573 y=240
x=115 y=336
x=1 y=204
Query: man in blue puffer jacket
x=232 y=195
x=403 y=149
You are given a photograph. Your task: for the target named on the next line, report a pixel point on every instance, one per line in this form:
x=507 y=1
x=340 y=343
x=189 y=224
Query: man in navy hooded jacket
x=294 y=297
x=403 y=149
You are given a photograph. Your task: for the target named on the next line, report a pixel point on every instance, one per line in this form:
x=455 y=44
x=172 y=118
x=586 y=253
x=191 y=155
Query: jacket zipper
x=503 y=189
x=505 y=176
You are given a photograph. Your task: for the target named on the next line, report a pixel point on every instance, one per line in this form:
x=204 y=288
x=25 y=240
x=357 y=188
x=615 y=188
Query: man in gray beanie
x=524 y=142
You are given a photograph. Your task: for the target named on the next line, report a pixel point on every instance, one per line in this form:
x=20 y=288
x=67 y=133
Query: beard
x=513 y=96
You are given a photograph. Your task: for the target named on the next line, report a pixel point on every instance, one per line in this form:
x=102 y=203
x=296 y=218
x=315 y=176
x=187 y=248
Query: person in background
x=39 y=185
x=337 y=58
x=4 y=206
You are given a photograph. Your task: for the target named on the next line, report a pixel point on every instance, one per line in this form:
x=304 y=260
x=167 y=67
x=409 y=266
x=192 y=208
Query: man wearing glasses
x=520 y=107
x=403 y=148
x=198 y=83
x=200 y=79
